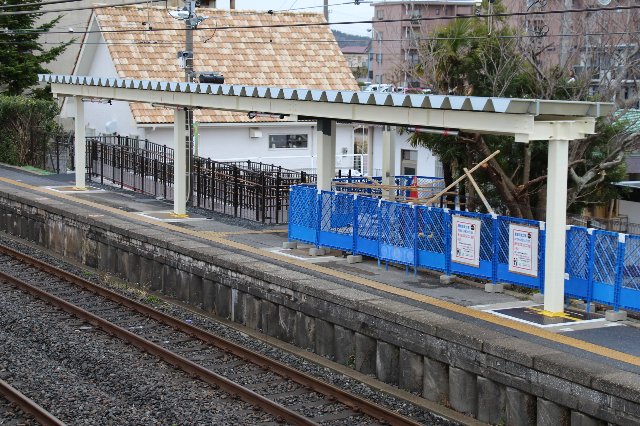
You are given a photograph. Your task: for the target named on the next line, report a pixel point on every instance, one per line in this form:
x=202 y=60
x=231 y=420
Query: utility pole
x=191 y=22
x=326 y=10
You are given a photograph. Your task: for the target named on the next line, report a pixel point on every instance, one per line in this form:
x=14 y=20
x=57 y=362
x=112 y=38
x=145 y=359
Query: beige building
x=394 y=44
x=600 y=44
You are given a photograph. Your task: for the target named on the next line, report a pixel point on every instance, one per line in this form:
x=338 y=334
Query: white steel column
x=370 y=151
x=326 y=146
x=388 y=156
x=179 y=163
x=80 y=159
x=556 y=223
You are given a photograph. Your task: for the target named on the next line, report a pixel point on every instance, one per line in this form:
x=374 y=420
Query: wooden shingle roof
x=295 y=57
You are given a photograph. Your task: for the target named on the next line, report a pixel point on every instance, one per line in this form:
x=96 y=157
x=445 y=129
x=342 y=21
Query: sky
x=339 y=11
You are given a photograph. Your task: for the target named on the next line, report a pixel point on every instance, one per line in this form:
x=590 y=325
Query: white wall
x=426 y=160
x=233 y=142
x=97 y=115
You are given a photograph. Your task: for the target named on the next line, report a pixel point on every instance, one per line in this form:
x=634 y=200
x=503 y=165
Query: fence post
x=278 y=201
x=134 y=166
x=155 y=176
x=379 y=229
x=58 y=155
x=144 y=170
x=541 y=247
x=121 y=166
x=318 y=216
x=415 y=239
x=303 y=177
x=213 y=185
x=263 y=195
x=590 y=266
x=235 y=191
x=495 y=236
x=619 y=271
x=355 y=225
x=164 y=174
x=102 y=163
x=198 y=180
x=447 y=235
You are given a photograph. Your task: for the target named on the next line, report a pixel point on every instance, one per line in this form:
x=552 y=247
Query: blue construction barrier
x=601 y=266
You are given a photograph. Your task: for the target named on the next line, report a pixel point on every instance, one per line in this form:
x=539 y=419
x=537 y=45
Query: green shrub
x=26 y=125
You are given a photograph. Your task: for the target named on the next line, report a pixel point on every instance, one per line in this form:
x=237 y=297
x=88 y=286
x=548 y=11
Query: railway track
x=28 y=406
x=275 y=388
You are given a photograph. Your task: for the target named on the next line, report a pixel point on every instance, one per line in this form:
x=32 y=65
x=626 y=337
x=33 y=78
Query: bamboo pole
x=477 y=188
x=435 y=197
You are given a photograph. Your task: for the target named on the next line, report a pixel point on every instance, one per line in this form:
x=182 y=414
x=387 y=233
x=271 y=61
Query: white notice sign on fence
x=465 y=240
x=523 y=249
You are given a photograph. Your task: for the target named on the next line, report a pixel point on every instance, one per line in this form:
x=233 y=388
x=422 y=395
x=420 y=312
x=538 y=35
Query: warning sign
x=523 y=249
x=465 y=240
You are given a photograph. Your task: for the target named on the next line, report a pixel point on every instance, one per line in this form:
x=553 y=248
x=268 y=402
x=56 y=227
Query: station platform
x=614 y=345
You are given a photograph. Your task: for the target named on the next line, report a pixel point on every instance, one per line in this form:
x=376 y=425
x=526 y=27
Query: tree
x=23 y=56
x=467 y=57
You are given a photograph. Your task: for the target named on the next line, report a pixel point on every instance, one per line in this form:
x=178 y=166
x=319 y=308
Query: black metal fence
x=246 y=189
x=615 y=224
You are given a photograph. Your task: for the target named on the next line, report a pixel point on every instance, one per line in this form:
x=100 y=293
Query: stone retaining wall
x=489 y=375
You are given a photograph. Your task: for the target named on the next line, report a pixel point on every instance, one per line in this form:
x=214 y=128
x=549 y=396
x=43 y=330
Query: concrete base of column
x=317 y=251
x=290 y=245
x=354 y=258
x=615 y=315
x=447 y=279
x=494 y=288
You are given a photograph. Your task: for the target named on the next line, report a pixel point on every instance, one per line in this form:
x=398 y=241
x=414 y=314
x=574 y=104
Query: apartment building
x=394 y=45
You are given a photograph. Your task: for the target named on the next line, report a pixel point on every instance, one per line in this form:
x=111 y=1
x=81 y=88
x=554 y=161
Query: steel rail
x=354 y=402
x=28 y=405
x=170 y=357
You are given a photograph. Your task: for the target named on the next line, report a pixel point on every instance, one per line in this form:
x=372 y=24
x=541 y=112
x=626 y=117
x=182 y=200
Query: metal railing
x=245 y=189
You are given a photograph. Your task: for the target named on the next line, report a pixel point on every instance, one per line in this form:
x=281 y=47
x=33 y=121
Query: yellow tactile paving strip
x=219 y=238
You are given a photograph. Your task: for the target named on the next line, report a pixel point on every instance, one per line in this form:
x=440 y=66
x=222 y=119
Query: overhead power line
x=44 y=3
x=315 y=24
x=287 y=42
x=71 y=9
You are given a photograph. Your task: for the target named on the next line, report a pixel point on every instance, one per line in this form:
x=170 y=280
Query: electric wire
x=287 y=42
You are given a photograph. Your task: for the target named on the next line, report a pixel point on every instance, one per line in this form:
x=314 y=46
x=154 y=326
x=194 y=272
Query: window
x=288 y=141
x=380 y=14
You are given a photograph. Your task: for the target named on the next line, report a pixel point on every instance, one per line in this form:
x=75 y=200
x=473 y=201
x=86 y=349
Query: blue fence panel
x=578 y=263
x=485 y=267
x=336 y=221
x=630 y=288
x=604 y=266
x=397 y=233
x=367 y=226
x=433 y=237
x=528 y=273
x=303 y=220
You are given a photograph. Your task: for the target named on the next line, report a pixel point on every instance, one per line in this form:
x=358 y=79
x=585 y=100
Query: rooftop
x=304 y=56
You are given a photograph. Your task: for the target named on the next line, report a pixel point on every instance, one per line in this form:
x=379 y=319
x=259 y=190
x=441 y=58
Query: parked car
x=380 y=88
